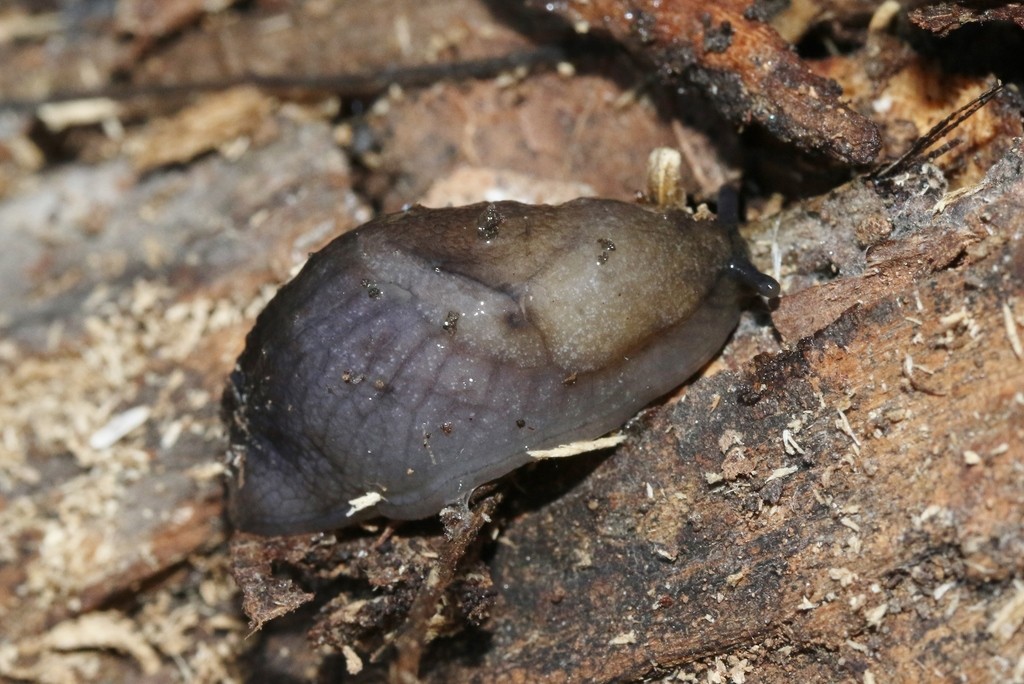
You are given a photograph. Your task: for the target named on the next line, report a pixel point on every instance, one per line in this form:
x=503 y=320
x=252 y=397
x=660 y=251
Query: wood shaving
x=1011 y=332
x=211 y=123
x=576 y=448
x=363 y=502
x=623 y=639
x=1008 y=619
x=780 y=473
x=100 y=631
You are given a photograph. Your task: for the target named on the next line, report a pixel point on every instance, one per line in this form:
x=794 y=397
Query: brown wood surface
x=839 y=497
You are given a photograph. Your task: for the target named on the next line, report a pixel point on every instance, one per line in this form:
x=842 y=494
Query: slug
x=427 y=352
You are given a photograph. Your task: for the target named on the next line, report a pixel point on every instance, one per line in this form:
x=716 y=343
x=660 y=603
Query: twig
x=461 y=526
x=934 y=134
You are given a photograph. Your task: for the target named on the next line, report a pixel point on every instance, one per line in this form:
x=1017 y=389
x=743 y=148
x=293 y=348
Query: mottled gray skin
x=424 y=353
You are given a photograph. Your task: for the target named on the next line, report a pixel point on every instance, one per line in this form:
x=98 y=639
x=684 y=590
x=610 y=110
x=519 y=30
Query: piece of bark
x=300 y=46
x=945 y=17
x=114 y=353
x=213 y=122
x=153 y=19
x=548 y=126
x=888 y=265
x=806 y=312
x=265 y=597
x=741 y=64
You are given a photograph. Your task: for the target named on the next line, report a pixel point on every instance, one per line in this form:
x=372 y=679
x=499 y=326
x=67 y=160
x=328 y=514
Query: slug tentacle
x=741 y=268
x=428 y=352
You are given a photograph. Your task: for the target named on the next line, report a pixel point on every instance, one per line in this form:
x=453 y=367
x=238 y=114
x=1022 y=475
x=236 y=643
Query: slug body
x=425 y=353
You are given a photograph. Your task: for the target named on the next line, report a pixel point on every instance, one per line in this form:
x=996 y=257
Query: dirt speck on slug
x=350 y=377
x=488 y=222
x=451 y=322
x=372 y=289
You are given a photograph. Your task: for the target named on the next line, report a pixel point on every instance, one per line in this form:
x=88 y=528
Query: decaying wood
x=741 y=64
x=945 y=17
x=835 y=496
x=189 y=44
x=838 y=498
x=462 y=527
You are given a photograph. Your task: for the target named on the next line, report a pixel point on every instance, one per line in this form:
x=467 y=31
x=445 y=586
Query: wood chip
x=1008 y=619
x=577 y=448
x=119 y=427
x=1011 y=332
x=101 y=631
